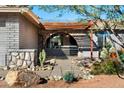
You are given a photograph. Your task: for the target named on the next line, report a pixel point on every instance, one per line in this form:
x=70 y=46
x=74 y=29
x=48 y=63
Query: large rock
x=52 y=61
x=5 y=68
x=80 y=54
x=12 y=65
x=22 y=78
x=27 y=56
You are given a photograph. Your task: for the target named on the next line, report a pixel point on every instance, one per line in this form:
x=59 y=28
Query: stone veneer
x=22 y=58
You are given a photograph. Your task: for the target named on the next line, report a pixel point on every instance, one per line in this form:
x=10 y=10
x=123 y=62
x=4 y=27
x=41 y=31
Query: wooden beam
x=91 y=43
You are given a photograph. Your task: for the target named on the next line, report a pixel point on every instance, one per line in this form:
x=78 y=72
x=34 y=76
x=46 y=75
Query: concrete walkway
x=61 y=67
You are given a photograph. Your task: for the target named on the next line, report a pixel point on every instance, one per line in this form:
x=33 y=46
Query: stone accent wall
x=23 y=58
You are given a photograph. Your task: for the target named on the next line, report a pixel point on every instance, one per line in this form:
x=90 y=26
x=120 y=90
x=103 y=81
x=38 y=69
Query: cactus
x=42 y=57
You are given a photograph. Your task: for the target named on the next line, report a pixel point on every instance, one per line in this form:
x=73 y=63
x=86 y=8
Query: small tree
x=42 y=57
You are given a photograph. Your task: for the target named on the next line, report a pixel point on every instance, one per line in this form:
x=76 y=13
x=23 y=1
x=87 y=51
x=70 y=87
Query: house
x=18 y=33
x=23 y=35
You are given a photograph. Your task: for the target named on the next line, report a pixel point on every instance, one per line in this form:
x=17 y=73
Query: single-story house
x=23 y=35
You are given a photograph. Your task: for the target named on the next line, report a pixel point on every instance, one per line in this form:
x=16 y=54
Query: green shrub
x=69 y=77
x=109 y=68
x=122 y=57
x=108 y=45
x=103 y=68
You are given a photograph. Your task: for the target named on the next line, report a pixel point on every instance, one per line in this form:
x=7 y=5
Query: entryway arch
x=61 y=44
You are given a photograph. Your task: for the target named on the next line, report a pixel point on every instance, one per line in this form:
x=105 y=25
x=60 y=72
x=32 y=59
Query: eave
x=62 y=25
x=26 y=13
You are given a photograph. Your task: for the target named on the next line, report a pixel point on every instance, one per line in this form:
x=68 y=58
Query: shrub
x=122 y=57
x=103 y=68
x=108 y=45
x=109 y=68
x=69 y=77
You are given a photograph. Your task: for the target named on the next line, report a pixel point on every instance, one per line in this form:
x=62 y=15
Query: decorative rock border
x=23 y=58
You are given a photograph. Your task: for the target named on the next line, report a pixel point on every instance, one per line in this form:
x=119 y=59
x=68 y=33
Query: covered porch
x=67 y=39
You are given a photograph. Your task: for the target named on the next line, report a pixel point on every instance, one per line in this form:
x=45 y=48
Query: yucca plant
x=42 y=57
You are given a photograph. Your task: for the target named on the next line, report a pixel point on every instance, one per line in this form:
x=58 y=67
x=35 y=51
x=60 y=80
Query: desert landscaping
x=41 y=78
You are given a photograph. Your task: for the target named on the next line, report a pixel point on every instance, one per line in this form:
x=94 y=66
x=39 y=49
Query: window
x=2 y=23
x=86 y=42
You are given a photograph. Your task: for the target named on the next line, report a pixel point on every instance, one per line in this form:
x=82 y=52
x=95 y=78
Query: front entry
x=61 y=44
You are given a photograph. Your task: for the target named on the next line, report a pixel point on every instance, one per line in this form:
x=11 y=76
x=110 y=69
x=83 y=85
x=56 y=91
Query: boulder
x=22 y=78
x=80 y=54
x=2 y=78
x=5 y=68
x=49 y=68
x=52 y=61
x=33 y=68
x=51 y=78
x=98 y=60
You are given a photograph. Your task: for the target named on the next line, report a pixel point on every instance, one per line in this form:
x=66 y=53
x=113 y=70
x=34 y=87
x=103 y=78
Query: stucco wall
x=28 y=34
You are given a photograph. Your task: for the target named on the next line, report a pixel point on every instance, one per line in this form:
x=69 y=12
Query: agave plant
x=69 y=77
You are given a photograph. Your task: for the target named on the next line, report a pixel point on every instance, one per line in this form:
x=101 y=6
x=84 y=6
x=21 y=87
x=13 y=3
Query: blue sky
x=66 y=17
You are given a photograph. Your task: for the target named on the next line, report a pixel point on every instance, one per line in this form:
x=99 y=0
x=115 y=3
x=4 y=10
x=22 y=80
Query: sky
x=67 y=16
x=53 y=17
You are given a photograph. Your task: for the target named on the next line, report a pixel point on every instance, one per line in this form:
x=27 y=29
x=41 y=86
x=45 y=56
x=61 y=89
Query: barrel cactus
x=42 y=57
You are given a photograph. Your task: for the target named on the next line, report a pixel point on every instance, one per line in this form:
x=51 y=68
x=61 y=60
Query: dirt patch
x=100 y=81
x=3 y=84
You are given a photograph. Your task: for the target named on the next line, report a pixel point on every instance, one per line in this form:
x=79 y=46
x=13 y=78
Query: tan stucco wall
x=28 y=34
